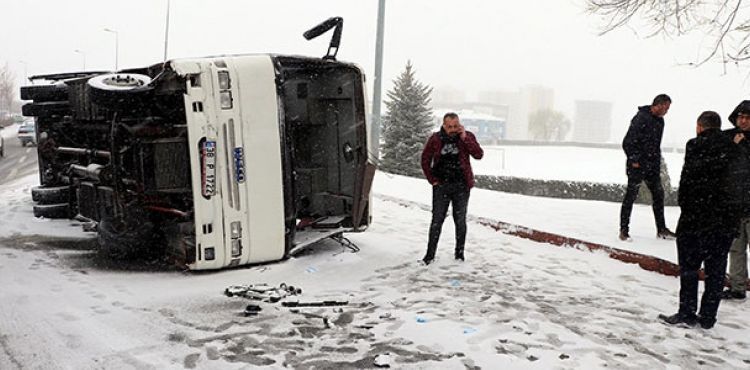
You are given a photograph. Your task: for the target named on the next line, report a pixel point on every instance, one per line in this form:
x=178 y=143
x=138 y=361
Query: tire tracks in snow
x=8 y=352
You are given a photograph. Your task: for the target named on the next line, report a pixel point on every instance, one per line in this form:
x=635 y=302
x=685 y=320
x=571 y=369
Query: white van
x=226 y=160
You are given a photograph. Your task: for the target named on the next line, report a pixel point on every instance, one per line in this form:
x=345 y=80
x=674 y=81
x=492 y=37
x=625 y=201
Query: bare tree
x=7 y=88
x=548 y=125
x=725 y=22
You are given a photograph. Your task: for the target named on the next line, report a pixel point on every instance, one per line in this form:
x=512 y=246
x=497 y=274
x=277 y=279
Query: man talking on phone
x=446 y=165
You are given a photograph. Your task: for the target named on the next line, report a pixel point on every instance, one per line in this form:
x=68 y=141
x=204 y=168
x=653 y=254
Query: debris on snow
x=383 y=360
x=262 y=292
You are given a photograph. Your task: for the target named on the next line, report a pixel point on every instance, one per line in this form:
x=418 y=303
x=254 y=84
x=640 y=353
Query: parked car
x=222 y=161
x=27 y=133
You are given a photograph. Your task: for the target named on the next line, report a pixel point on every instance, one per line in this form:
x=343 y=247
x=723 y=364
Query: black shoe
x=731 y=294
x=706 y=323
x=426 y=262
x=666 y=234
x=625 y=236
x=679 y=318
x=252 y=310
x=459 y=256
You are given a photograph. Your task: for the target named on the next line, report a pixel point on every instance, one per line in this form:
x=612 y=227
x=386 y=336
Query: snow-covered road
x=513 y=304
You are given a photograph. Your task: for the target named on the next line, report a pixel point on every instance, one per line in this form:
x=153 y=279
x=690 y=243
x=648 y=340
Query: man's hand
x=436 y=183
x=738 y=137
x=461 y=132
x=636 y=165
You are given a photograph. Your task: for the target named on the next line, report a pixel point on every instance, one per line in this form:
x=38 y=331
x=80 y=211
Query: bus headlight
x=225 y=97
x=236 y=229
x=236 y=247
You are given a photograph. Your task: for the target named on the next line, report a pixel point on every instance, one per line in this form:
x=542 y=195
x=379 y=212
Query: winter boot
x=625 y=236
x=706 y=322
x=731 y=294
x=678 y=318
x=666 y=234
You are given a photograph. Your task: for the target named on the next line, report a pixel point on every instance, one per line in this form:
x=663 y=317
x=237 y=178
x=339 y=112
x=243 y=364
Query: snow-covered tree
x=406 y=125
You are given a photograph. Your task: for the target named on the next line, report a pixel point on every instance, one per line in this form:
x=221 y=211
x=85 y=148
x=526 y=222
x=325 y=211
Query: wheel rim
x=119 y=81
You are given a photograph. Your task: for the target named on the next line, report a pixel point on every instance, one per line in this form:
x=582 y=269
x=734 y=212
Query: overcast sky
x=472 y=45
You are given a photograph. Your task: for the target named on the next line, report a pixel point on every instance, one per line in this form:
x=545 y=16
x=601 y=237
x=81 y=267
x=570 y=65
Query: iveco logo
x=239 y=165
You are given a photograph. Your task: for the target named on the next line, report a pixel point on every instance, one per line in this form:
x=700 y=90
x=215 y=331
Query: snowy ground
x=565 y=163
x=512 y=304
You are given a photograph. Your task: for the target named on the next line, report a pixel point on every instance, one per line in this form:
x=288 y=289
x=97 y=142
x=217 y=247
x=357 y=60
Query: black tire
x=119 y=90
x=118 y=239
x=46 y=109
x=42 y=93
x=61 y=210
x=51 y=194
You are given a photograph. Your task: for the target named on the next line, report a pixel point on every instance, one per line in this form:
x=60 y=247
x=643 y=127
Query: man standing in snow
x=642 y=145
x=446 y=165
x=740 y=191
x=707 y=223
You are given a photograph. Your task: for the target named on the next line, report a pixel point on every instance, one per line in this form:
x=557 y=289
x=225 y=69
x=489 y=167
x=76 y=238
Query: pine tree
x=407 y=124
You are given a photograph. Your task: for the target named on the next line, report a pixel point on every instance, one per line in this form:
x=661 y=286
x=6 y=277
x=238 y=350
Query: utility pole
x=166 y=33
x=377 y=83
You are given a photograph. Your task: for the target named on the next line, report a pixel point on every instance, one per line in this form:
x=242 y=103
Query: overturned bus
x=222 y=161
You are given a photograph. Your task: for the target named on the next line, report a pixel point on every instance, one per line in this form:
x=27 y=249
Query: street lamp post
x=83 y=55
x=166 y=33
x=377 y=84
x=117 y=45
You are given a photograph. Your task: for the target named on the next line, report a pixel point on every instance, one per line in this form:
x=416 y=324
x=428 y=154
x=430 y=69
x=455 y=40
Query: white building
x=592 y=122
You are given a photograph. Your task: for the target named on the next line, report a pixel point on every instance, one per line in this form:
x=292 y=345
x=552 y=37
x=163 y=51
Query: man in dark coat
x=740 y=192
x=707 y=222
x=642 y=145
x=446 y=165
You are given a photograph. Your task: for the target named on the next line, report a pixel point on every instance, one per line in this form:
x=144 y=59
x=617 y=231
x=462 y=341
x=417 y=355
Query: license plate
x=208 y=172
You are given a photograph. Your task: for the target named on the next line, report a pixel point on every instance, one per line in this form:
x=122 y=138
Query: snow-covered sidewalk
x=592 y=221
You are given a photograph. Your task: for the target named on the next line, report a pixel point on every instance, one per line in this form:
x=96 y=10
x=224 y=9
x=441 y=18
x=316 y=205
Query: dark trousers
x=653 y=181
x=442 y=196
x=694 y=249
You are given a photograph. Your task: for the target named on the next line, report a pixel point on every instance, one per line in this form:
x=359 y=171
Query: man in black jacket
x=642 y=145
x=740 y=192
x=707 y=222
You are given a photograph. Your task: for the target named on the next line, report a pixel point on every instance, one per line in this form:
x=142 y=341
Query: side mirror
x=333 y=47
